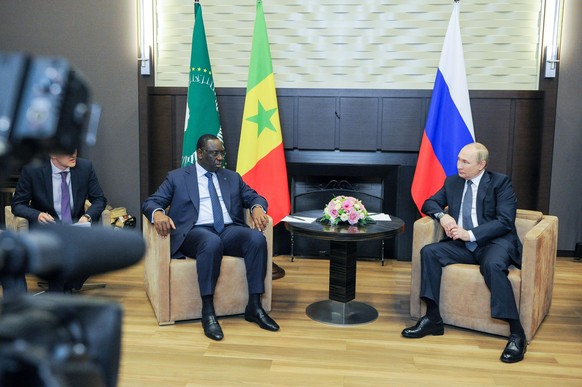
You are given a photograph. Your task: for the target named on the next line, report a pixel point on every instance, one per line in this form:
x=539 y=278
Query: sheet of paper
x=381 y=217
x=85 y=224
x=298 y=219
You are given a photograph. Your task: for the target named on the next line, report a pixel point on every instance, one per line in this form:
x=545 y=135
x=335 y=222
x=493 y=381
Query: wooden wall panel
x=161 y=145
x=287 y=117
x=231 y=111
x=316 y=123
x=527 y=155
x=402 y=123
x=493 y=124
x=358 y=123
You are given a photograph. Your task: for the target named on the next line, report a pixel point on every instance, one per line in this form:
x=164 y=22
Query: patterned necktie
x=466 y=213
x=216 y=208
x=65 y=200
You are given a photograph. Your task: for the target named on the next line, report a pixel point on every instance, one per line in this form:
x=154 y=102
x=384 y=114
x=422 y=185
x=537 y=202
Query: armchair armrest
x=157 y=270
x=14 y=223
x=537 y=272
x=426 y=230
x=105 y=219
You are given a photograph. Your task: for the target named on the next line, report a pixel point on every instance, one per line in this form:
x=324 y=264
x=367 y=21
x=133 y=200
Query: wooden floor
x=308 y=353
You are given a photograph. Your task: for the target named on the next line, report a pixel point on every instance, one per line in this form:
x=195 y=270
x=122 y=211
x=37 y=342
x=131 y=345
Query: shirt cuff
x=258 y=205
x=153 y=213
x=471 y=236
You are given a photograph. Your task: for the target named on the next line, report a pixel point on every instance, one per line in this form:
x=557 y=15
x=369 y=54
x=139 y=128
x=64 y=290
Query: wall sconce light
x=552 y=37
x=146 y=35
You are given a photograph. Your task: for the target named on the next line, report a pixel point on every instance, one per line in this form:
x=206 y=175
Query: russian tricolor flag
x=449 y=125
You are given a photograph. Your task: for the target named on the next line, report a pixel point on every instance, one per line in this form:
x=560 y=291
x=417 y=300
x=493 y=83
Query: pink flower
x=353 y=217
x=345 y=209
x=348 y=204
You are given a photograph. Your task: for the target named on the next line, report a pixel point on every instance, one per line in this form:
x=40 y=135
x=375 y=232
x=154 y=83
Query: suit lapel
x=77 y=201
x=224 y=188
x=455 y=205
x=191 y=182
x=481 y=193
x=47 y=178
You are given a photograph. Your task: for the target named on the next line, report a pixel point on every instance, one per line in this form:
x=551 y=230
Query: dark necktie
x=65 y=200
x=466 y=213
x=216 y=208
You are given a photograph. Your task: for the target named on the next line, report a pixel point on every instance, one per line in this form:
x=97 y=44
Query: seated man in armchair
x=206 y=221
x=480 y=230
x=56 y=191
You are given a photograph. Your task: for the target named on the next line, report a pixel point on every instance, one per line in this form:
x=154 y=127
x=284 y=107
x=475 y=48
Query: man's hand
x=260 y=219
x=163 y=224
x=83 y=219
x=45 y=218
x=453 y=230
x=448 y=223
x=460 y=233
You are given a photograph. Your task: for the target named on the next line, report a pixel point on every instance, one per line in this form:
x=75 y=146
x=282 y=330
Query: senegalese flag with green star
x=261 y=157
x=202 y=110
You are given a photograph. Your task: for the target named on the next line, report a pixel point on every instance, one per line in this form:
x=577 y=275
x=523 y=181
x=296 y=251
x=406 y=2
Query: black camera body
x=44 y=106
x=56 y=341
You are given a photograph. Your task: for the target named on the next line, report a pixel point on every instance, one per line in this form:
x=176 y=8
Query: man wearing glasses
x=206 y=221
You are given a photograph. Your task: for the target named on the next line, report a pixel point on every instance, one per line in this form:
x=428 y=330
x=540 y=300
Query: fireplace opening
x=382 y=187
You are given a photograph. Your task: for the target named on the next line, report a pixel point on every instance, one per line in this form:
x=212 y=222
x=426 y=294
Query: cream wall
x=364 y=44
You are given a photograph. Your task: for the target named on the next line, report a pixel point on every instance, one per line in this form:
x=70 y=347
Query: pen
x=296 y=217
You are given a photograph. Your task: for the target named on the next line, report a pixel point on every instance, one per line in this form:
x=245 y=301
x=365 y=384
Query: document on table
x=298 y=219
x=385 y=217
x=84 y=224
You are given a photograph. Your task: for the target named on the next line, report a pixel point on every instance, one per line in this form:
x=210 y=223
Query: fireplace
x=379 y=180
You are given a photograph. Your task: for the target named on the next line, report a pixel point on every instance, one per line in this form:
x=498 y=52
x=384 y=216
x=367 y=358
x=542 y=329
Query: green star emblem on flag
x=263 y=119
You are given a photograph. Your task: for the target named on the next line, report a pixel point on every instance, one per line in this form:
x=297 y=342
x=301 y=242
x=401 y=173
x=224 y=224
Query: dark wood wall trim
x=388 y=123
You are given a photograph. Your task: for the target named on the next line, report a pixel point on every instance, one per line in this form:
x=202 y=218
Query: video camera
x=55 y=340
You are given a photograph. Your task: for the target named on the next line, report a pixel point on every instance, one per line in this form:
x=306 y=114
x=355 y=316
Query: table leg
x=340 y=309
x=342 y=271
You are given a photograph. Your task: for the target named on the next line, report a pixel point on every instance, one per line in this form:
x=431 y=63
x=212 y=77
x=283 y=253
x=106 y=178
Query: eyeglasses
x=214 y=153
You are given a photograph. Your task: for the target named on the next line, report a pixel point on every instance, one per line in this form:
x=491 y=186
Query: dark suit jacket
x=180 y=191
x=34 y=192
x=496 y=209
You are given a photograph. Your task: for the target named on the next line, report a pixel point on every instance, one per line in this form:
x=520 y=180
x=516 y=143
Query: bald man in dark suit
x=486 y=236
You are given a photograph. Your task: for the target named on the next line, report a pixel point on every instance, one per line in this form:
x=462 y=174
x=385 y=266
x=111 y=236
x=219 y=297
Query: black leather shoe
x=211 y=327
x=260 y=317
x=514 y=350
x=424 y=327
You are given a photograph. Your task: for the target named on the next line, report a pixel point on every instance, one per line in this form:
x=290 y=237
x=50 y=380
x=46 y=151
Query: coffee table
x=341 y=309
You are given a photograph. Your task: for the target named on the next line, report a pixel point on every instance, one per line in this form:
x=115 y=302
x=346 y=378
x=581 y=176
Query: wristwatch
x=87 y=216
x=439 y=215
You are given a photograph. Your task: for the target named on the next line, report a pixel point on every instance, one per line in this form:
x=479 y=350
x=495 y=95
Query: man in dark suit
x=480 y=229
x=40 y=197
x=206 y=228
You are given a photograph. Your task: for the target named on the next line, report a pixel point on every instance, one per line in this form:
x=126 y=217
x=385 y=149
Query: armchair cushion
x=465 y=299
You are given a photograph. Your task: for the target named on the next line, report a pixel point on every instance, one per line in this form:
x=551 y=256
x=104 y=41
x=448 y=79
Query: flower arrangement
x=345 y=209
